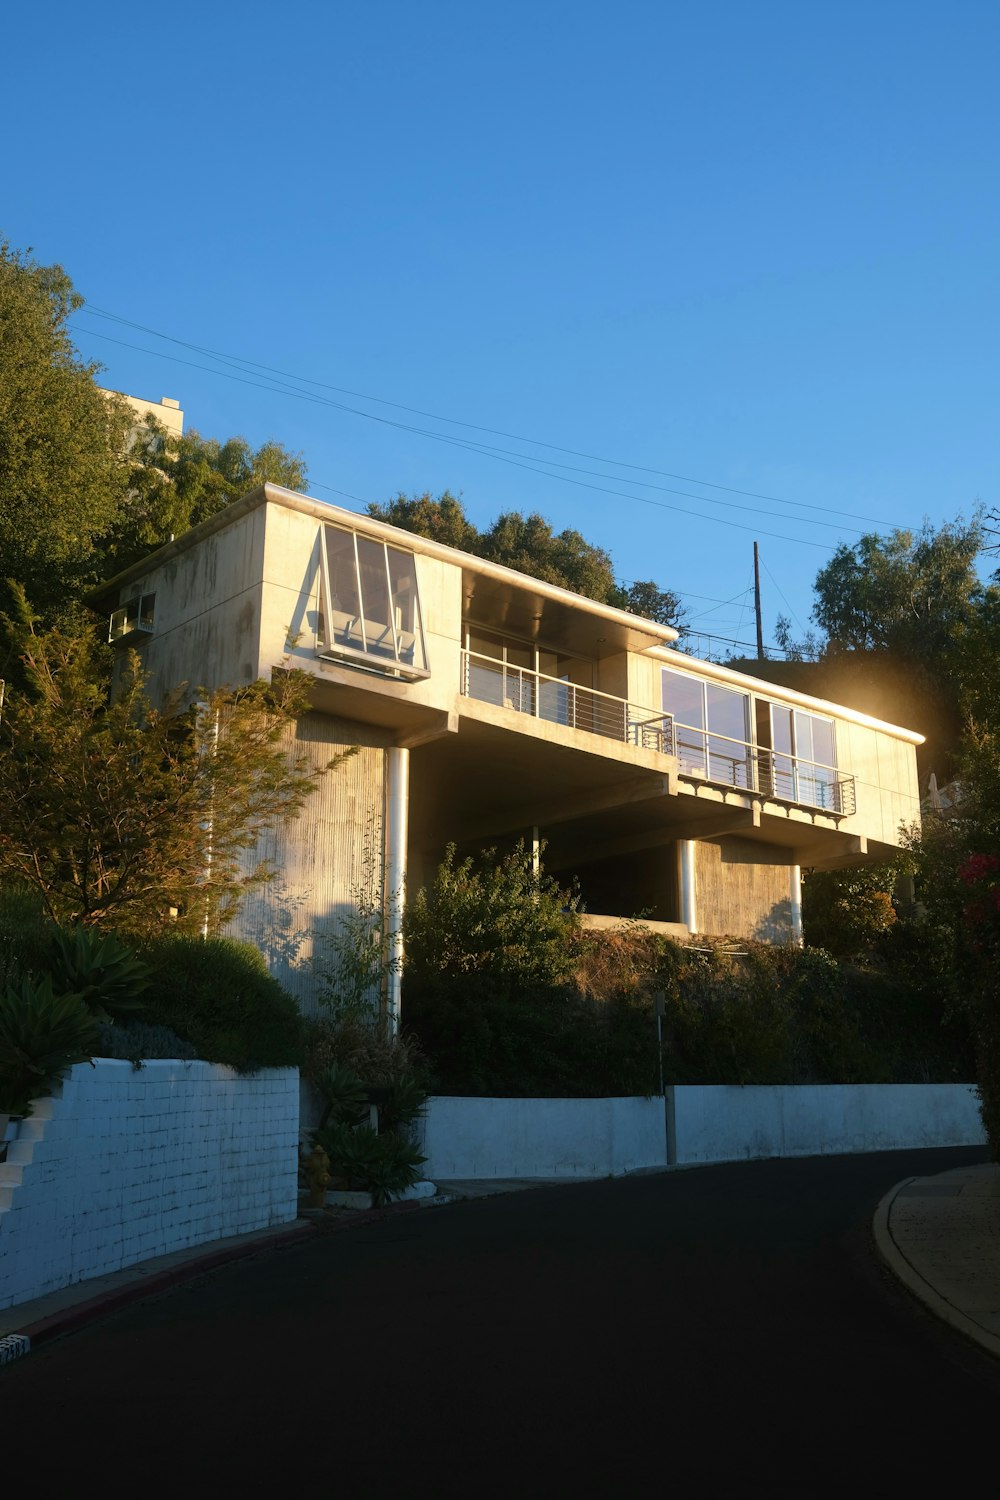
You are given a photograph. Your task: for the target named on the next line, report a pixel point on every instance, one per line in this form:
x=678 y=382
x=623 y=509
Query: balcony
x=558 y=701
x=701 y=755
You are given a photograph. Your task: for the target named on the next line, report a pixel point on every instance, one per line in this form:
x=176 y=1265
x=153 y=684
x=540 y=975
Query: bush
x=25 y=932
x=218 y=995
x=491 y=915
x=41 y=1034
x=138 y=1042
x=108 y=975
x=378 y=1060
x=363 y=1161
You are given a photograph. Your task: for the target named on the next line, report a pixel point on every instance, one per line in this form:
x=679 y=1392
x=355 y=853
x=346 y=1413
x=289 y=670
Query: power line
x=238 y=362
x=486 y=451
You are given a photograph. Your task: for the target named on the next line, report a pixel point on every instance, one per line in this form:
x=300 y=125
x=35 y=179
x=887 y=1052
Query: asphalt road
x=719 y=1326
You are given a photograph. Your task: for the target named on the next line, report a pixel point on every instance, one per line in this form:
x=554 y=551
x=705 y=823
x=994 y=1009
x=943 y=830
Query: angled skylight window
x=370 y=604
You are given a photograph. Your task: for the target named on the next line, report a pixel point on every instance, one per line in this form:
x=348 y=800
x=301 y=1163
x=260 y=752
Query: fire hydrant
x=316 y=1171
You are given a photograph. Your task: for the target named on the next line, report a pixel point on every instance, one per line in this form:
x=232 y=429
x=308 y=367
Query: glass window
x=371 y=606
x=711 y=728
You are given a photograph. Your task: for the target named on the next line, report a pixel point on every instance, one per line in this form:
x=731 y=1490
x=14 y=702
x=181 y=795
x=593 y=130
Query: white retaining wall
x=465 y=1137
x=126 y=1165
x=728 y=1123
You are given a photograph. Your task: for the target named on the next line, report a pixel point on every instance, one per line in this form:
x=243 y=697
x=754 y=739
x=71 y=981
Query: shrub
x=109 y=976
x=138 y=1042
x=218 y=995
x=25 y=931
x=41 y=1034
x=490 y=914
x=378 y=1060
x=361 y=1160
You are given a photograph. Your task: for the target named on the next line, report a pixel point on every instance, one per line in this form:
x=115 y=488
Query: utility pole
x=756 y=601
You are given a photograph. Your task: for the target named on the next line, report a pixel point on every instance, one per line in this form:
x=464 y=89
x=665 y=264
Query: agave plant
x=109 y=976
x=367 y=1162
x=345 y=1096
x=41 y=1034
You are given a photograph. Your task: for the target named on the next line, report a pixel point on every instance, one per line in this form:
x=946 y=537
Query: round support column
x=396 y=832
x=686 y=883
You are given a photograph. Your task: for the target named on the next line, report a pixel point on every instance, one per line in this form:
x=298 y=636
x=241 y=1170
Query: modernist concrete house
x=489 y=706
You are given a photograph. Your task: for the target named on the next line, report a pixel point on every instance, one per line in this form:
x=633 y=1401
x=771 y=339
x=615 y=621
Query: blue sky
x=751 y=244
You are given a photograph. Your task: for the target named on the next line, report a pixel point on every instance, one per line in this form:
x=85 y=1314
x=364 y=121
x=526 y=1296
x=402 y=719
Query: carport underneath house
x=489 y=706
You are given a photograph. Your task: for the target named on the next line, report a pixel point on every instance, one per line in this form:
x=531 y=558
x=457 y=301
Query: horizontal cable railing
x=560 y=702
x=718 y=758
x=771 y=773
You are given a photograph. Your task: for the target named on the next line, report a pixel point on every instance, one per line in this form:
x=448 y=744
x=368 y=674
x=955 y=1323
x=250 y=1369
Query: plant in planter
x=41 y=1034
x=361 y=1160
x=109 y=976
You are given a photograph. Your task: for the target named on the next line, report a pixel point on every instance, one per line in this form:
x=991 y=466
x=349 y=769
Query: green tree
x=441 y=520
x=653 y=603
x=117 y=812
x=529 y=545
x=176 y=483
x=909 y=593
x=63 y=472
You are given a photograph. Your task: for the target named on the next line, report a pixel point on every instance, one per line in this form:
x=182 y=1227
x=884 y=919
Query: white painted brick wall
x=123 y=1166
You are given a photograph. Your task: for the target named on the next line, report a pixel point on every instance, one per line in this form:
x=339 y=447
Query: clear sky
x=753 y=243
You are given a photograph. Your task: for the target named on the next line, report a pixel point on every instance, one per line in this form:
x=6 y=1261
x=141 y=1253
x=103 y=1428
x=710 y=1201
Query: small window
x=370 y=605
x=133 y=620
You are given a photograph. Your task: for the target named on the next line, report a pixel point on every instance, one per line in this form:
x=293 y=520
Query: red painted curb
x=69 y=1319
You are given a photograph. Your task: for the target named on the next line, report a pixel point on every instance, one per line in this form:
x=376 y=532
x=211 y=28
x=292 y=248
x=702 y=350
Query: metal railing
x=560 y=702
x=717 y=758
x=772 y=773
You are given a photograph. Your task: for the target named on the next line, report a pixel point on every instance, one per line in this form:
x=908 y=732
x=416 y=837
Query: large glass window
x=803 y=760
x=711 y=728
x=370 y=603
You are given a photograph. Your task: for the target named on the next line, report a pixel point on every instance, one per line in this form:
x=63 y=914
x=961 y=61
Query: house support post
x=795 y=899
x=686 y=883
x=396 y=830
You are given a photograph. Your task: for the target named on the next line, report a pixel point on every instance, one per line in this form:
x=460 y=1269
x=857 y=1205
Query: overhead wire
x=239 y=362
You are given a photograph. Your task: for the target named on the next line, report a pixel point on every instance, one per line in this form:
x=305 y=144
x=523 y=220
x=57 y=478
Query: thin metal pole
x=756 y=601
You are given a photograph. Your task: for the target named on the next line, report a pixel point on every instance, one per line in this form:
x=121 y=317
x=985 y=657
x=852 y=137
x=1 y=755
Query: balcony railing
x=772 y=773
x=560 y=702
x=701 y=754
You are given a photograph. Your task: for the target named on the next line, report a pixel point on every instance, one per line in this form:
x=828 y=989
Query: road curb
x=911 y=1278
x=71 y=1319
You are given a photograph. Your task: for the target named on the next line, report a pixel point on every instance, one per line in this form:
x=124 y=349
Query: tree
x=442 y=520
x=653 y=603
x=63 y=472
x=176 y=483
x=529 y=545
x=118 y=813
x=907 y=593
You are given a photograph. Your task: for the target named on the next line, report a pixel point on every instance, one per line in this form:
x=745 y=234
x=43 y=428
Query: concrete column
x=397 y=821
x=686 y=882
x=795 y=897
x=536 y=852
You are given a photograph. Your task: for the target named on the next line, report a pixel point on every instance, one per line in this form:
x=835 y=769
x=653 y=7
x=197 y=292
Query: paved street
x=720 y=1325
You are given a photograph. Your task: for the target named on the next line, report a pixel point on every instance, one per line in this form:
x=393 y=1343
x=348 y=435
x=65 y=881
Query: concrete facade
x=122 y=1166
x=518 y=711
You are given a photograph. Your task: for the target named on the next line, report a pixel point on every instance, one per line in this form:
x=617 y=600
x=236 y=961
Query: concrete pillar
x=686 y=882
x=795 y=898
x=536 y=852
x=397 y=821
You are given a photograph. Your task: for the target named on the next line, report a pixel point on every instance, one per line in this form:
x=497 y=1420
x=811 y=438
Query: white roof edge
x=414 y=543
x=324 y=510
x=767 y=689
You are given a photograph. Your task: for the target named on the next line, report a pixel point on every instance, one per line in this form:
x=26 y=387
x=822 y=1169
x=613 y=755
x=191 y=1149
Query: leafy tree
x=848 y=911
x=442 y=520
x=908 y=592
x=63 y=472
x=529 y=545
x=176 y=483
x=653 y=603
x=116 y=812
x=490 y=914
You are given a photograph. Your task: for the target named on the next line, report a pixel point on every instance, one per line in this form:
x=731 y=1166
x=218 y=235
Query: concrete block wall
x=124 y=1165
